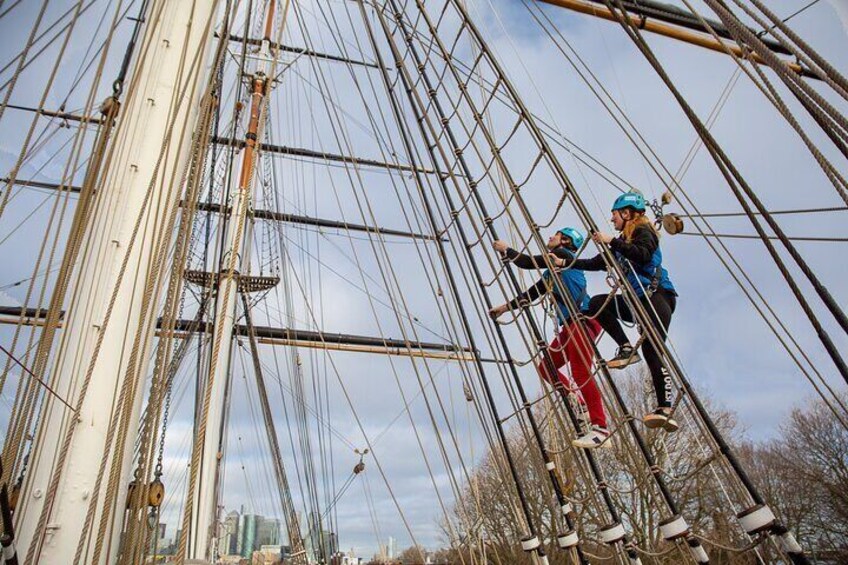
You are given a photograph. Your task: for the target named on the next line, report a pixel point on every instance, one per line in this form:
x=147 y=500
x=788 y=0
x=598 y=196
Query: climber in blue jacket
x=637 y=251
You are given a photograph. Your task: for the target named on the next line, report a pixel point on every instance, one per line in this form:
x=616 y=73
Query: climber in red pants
x=571 y=345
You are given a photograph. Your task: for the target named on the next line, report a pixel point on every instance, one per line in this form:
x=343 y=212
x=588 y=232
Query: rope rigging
x=532 y=541
x=722 y=256
x=383 y=250
x=462 y=158
x=549 y=463
x=738 y=186
x=287 y=504
x=724 y=251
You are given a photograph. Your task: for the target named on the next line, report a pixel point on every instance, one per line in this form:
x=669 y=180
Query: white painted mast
x=201 y=542
x=168 y=80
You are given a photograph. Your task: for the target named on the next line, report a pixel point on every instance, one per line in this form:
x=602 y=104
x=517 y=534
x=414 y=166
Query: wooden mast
x=201 y=514
x=679 y=33
x=115 y=285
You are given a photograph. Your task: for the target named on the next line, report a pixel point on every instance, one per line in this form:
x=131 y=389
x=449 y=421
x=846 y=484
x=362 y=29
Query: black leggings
x=660 y=309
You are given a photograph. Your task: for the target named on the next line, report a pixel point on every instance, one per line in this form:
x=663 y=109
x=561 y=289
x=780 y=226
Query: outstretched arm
x=531 y=294
x=596 y=263
x=525 y=261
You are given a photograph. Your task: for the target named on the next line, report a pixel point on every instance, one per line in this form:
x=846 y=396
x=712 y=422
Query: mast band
x=673 y=528
x=756 y=519
x=612 y=533
x=568 y=539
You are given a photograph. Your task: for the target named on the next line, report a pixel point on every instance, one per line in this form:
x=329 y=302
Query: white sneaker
x=597 y=437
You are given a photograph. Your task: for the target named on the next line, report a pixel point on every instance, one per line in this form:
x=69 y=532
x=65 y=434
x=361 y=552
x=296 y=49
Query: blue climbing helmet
x=576 y=236
x=629 y=200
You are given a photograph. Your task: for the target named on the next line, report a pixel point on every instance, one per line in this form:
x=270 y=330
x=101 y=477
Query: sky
x=728 y=353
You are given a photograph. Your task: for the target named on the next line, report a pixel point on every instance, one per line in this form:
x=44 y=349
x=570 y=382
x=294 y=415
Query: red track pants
x=570 y=346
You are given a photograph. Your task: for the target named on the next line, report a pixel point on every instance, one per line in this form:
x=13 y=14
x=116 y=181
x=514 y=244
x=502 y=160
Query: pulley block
x=155 y=493
x=672 y=223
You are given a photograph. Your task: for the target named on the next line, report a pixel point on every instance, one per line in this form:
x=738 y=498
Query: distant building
x=319 y=545
x=267 y=531
x=247 y=534
x=273 y=550
x=157 y=542
x=228 y=541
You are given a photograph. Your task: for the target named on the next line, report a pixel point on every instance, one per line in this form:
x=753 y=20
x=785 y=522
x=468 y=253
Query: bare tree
x=489 y=502
x=414 y=555
x=804 y=474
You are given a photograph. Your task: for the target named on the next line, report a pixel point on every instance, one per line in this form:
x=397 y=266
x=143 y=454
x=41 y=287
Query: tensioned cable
x=394 y=152
x=479 y=236
x=40 y=37
x=25 y=399
x=44 y=343
x=30 y=289
x=727 y=170
x=479 y=202
x=359 y=422
x=63 y=451
x=390 y=268
x=84 y=68
x=390 y=491
x=51 y=77
x=771 y=237
x=772 y=212
x=264 y=474
x=738 y=186
x=308 y=477
x=24 y=54
x=275 y=375
x=193 y=179
x=544 y=15
x=838 y=181
x=48 y=195
x=10 y=8
x=801 y=50
x=228 y=270
x=795 y=13
x=35 y=377
x=726 y=253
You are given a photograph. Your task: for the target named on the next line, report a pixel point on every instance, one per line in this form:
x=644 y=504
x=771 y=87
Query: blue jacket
x=640 y=258
x=645 y=276
x=573 y=281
